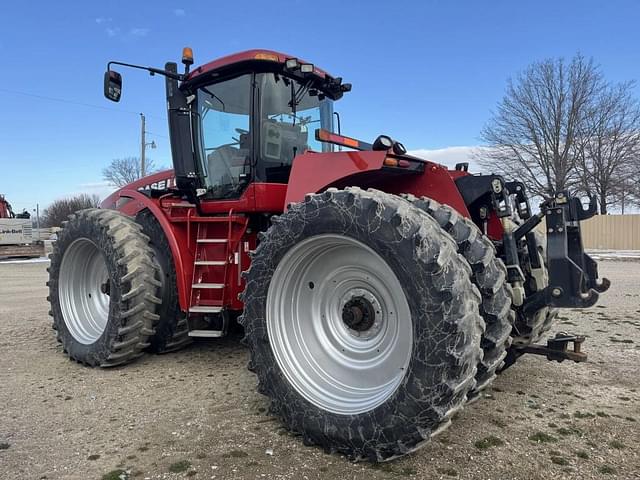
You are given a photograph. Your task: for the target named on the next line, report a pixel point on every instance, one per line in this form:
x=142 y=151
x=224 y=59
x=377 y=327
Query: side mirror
x=112 y=85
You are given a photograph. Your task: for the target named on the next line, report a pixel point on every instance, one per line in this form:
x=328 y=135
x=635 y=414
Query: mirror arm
x=151 y=70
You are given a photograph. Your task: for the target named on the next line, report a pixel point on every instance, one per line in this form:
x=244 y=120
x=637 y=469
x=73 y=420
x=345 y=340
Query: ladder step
x=207 y=285
x=218 y=263
x=212 y=240
x=205 y=309
x=181 y=205
x=206 y=333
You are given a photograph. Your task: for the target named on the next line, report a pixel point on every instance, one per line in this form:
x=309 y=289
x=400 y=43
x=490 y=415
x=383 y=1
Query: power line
x=73 y=102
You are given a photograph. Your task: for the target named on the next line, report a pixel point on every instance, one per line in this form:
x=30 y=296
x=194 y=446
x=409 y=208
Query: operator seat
x=226 y=163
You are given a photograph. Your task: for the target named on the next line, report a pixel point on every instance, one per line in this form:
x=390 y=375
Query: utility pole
x=143 y=145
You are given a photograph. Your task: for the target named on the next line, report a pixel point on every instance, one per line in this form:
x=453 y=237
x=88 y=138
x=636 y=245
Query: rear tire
x=102 y=288
x=490 y=276
x=342 y=395
x=171 y=330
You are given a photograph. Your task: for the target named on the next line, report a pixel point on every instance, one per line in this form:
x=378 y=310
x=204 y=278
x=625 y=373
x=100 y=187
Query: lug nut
x=556 y=292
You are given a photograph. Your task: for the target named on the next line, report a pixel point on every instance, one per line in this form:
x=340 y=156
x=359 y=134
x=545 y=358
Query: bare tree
x=122 y=171
x=533 y=133
x=609 y=144
x=60 y=209
x=629 y=193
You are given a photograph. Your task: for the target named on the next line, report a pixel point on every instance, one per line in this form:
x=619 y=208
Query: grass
x=499 y=423
x=564 y=431
x=602 y=414
x=95 y=456
x=607 y=470
x=118 y=474
x=580 y=414
x=617 y=444
x=582 y=454
x=488 y=442
x=559 y=460
x=181 y=466
x=541 y=437
x=448 y=471
x=4 y=445
x=408 y=471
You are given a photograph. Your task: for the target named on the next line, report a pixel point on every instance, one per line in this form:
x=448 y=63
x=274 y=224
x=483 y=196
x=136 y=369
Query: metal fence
x=612 y=232
x=609 y=232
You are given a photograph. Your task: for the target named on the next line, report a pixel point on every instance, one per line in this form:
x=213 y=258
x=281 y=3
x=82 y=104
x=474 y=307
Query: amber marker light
x=272 y=57
x=187 y=56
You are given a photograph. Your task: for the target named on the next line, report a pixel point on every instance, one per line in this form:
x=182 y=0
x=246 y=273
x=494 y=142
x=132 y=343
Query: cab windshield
x=243 y=140
x=289 y=112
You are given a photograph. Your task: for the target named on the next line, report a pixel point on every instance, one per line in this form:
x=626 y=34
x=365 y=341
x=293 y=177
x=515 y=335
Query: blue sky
x=426 y=72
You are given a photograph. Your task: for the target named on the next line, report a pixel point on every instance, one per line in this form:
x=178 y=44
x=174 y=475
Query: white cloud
x=179 y=12
x=139 y=32
x=101 y=20
x=112 y=31
x=449 y=156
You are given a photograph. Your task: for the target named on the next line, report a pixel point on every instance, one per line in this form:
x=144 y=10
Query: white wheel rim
x=83 y=277
x=339 y=369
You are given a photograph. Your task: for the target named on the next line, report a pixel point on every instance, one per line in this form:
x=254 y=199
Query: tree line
x=562 y=125
x=120 y=172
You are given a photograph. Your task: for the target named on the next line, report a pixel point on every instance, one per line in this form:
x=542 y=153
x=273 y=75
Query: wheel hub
x=358 y=314
x=339 y=324
x=362 y=313
x=84 y=290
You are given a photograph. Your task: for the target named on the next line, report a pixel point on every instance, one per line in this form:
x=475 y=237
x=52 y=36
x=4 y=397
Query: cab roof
x=259 y=55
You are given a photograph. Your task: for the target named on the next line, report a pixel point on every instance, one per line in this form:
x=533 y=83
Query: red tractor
x=378 y=291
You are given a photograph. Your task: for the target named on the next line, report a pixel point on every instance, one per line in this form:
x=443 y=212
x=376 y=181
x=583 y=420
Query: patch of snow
x=24 y=260
x=614 y=254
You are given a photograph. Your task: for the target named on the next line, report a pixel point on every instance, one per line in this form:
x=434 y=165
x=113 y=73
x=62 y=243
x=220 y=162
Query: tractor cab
x=242 y=119
x=252 y=126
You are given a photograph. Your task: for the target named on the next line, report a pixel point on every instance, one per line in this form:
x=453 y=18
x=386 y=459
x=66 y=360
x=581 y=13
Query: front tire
x=102 y=288
x=362 y=323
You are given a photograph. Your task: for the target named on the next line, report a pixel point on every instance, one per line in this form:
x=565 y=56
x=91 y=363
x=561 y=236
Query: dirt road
x=196 y=414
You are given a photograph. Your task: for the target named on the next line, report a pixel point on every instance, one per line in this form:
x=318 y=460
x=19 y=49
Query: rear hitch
x=573 y=275
x=557 y=348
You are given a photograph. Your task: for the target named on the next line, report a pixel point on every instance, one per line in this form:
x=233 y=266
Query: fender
x=315 y=172
x=134 y=203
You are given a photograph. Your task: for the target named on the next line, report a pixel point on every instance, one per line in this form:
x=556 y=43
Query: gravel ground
x=195 y=413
